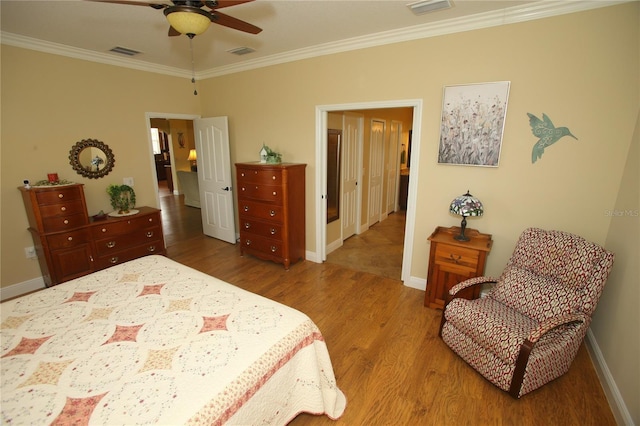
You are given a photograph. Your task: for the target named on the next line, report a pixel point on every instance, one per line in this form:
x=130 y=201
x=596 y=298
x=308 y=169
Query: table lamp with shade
x=465 y=205
x=194 y=160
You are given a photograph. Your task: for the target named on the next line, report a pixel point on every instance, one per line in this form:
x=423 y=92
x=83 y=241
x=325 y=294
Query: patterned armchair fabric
x=527 y=330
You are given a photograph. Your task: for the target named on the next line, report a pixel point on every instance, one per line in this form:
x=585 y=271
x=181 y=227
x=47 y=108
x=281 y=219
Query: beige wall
x=48 y=104
x=580 y=69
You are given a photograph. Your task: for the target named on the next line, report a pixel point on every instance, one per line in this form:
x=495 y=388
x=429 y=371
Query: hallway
x=377 y=251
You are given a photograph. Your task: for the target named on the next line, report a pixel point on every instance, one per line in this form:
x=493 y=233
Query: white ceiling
x=292 y=29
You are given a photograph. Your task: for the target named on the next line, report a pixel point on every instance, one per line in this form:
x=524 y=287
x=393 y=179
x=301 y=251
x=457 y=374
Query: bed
x=153 y=341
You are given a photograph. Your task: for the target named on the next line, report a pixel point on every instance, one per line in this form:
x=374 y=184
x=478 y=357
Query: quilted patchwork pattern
x=546 y=294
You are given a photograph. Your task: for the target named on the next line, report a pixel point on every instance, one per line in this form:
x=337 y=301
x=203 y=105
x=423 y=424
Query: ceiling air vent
x=124 y=51
x=241 y=51
x=426 y=6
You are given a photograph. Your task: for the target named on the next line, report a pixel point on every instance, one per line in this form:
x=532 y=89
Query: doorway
x=322 y=113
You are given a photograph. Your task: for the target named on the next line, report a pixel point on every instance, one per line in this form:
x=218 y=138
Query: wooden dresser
x=69 y=245
x=452 y=261
x=271 y=202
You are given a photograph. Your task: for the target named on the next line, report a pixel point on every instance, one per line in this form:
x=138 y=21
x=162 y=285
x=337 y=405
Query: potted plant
x=122 y=197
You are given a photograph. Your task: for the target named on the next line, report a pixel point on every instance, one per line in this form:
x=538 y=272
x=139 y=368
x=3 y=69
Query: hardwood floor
x=384 y=345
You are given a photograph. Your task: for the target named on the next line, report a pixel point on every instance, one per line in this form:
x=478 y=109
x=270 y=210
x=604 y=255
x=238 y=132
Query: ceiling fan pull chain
x=193 y=67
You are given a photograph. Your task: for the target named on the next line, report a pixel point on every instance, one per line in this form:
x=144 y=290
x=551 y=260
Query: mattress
x=152 y=341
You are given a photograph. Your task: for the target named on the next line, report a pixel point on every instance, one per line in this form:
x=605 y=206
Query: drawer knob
x=242 y=174
x=273 y=249
x=66 y=221
x=104 y=229
x=246 y=208
x=69 y=238
x=63 y=208
x=150 y=219
x=275 y=193
x=243 y=189
x=247 y=225
x=272 y=213
x=248 y=242
x=149 y=234
x=455 y=260
x=60 y=195
x=111 y=244
x=273 y=231
x=273 y=177
x=114 y=259
x=151 y=249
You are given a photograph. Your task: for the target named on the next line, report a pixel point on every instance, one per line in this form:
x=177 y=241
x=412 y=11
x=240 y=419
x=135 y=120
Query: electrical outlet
x=30 y=252
x=128 y=181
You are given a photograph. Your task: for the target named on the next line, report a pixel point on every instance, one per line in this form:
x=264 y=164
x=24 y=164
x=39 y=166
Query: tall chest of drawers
x=69 y=245
x=271 y=203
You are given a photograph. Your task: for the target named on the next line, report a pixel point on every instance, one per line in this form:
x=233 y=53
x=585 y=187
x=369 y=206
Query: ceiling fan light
x=187 y=20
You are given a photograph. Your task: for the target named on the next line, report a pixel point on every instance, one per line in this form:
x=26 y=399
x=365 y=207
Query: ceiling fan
x=191 y=18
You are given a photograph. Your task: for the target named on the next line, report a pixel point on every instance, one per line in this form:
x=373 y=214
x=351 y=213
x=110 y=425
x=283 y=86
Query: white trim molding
x=522 y=13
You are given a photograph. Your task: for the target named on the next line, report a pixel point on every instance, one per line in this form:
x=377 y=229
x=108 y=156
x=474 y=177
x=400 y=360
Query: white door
x=214 y=178
x=395 y=132
x=376 y=170
x=350 y=173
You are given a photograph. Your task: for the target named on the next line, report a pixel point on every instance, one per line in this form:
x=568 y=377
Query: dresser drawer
x=103 y=262
x=265 y=177
x=269 y=193
x=124 y=226
x=61 y=223
x=68 y=239
x=258 y=210
x=58 y=195
x=63 y=208
x=116 y=243
x=456 y=259
x=254 y=243
x=253 y=227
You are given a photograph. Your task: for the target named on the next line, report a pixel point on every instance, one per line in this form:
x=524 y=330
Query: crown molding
x=30 y=43
x=507 y=16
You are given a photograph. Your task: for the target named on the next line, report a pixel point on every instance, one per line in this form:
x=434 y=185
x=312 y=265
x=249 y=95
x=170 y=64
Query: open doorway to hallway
x=380 y=239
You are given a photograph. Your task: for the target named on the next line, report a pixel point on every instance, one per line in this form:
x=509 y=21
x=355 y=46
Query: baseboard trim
x=19 y=289
x=618 y=407
x=417 y=283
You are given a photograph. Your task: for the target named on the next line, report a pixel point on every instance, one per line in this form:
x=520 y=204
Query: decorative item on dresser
x=452 y=261
x=70 y=245
x=271 y=202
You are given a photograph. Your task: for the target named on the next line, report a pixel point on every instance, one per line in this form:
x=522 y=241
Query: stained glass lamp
x=465 y=205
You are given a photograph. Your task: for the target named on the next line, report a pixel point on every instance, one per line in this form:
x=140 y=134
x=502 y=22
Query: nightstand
x=452 y=261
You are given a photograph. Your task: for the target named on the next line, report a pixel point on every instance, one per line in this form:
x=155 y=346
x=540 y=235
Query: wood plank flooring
x=384 y=345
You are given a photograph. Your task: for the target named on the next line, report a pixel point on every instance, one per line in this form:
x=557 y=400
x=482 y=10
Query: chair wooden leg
x=521 y=366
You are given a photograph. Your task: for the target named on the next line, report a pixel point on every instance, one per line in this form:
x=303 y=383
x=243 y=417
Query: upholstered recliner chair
x=527 y=330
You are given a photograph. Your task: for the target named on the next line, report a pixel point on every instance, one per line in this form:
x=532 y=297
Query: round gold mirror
x=91 y=158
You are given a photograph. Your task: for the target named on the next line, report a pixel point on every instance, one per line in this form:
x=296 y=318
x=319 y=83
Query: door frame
x=321 y=174
x=168 y=116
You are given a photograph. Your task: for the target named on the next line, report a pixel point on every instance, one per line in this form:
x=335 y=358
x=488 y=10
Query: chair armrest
x=471 y=282
x=551 y=323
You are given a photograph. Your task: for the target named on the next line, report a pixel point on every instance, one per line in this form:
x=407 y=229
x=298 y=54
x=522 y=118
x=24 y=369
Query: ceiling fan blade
x=225 y=3
x=173 y=32
x=133 y=3
x=231 y=22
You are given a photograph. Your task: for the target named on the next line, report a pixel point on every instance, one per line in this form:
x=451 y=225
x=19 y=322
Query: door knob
x=226 y=188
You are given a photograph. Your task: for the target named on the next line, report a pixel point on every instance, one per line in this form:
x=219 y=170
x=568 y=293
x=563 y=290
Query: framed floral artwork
x=472 y=123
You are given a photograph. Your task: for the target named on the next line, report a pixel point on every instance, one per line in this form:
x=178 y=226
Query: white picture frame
x=472 y=123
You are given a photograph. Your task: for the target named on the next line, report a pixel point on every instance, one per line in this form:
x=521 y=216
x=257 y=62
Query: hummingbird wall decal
x=546 y=133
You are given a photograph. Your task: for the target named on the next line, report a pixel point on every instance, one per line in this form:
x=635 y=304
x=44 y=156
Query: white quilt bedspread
x=154 y=342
